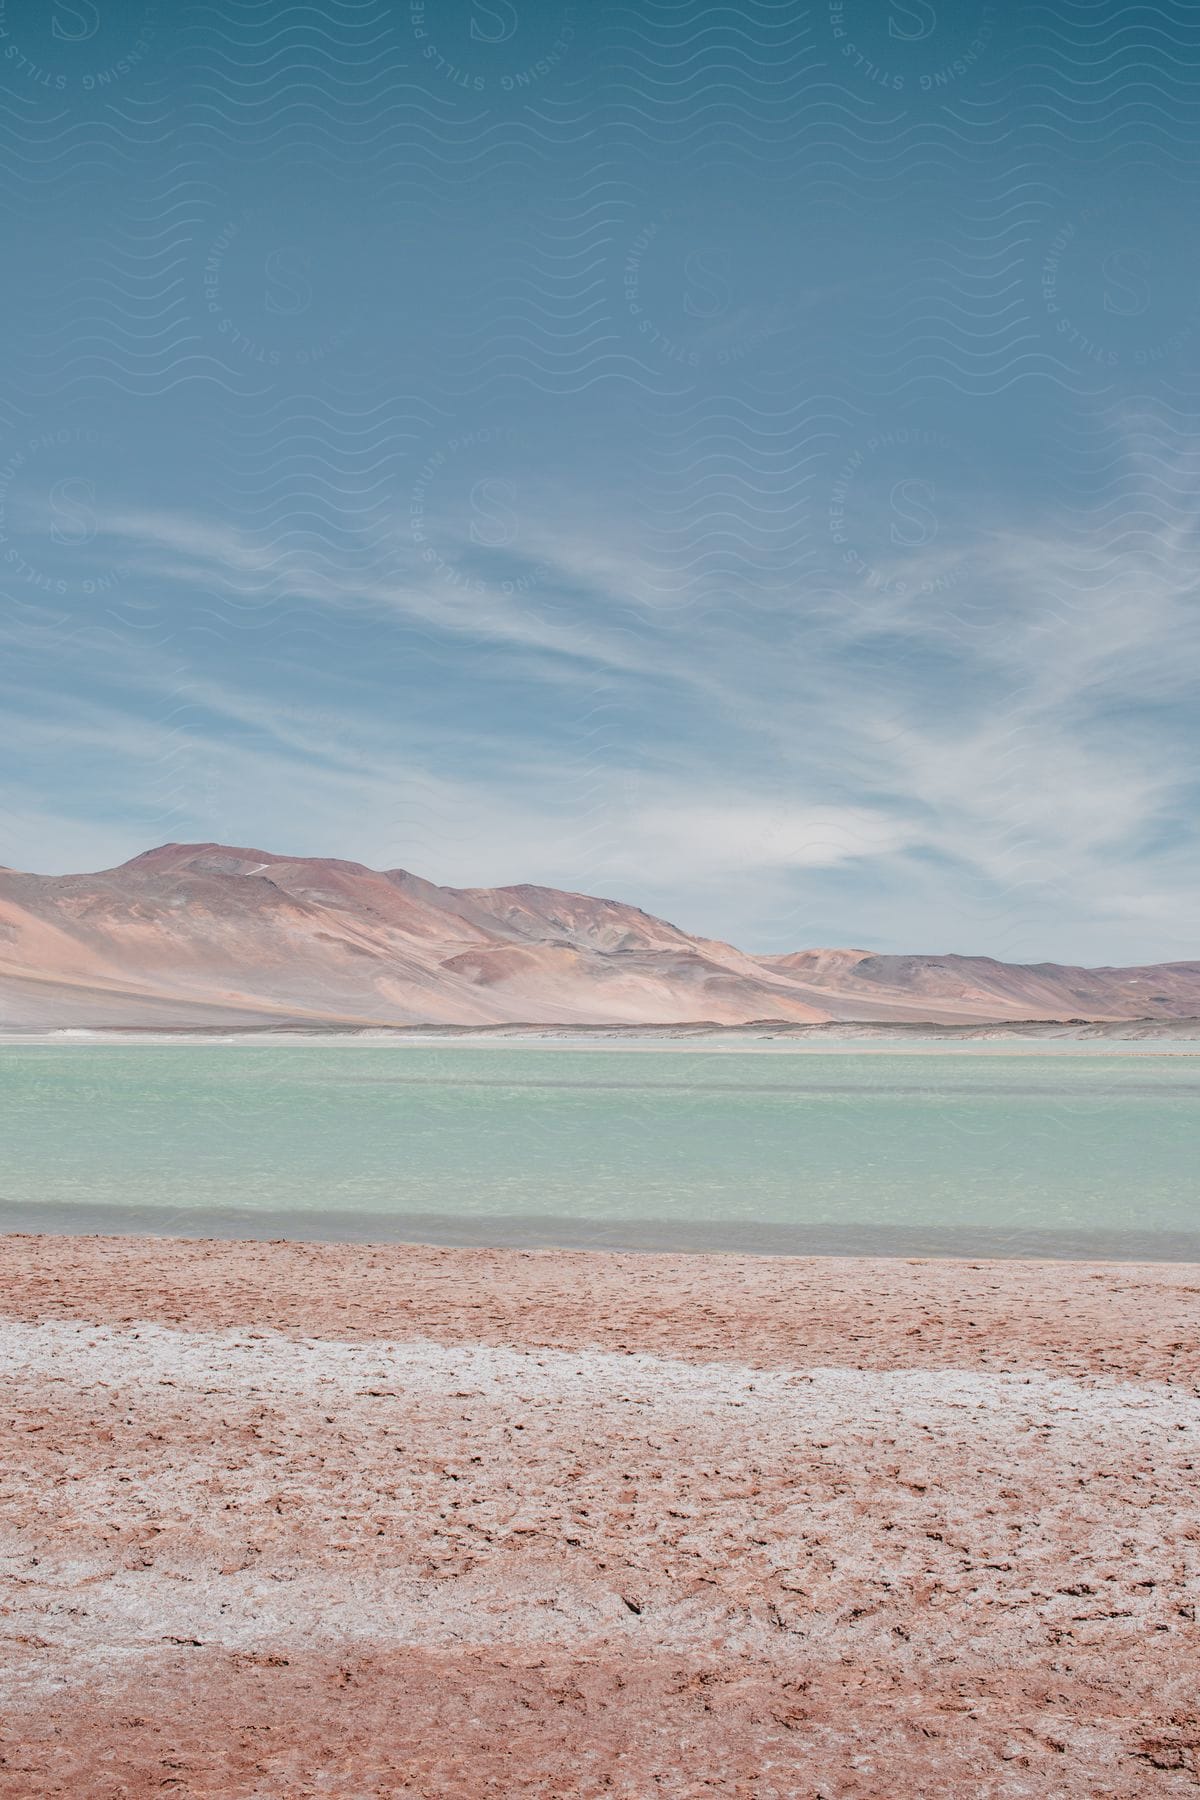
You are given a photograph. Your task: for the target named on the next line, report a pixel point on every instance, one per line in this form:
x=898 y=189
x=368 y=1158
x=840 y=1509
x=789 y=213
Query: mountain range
x=189 y=935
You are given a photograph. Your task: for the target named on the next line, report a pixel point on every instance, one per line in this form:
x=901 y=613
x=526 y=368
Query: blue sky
x=741 y=459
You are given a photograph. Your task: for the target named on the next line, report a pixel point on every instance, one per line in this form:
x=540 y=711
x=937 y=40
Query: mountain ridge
x=214 y=933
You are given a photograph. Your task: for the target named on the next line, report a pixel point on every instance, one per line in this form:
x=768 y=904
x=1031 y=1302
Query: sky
x=736 y=459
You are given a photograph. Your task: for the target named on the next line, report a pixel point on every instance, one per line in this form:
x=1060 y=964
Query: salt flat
x=292 y=1520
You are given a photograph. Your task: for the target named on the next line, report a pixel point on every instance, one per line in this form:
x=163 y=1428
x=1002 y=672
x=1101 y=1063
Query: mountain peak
x=184 y=934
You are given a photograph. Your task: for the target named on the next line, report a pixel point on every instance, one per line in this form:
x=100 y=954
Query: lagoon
x=1023 y=1154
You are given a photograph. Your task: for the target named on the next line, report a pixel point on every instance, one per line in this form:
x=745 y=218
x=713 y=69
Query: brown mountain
x=202 y=934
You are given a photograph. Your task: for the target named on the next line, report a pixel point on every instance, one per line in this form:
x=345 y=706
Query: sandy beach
x=301 y=1520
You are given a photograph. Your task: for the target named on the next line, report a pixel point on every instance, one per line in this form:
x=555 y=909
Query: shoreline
x=550 y=1235
x=576 y=1296
x=300 y=1519
x=1164 y=1037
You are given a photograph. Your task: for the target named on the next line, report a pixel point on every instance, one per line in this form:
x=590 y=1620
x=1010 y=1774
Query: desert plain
x=286 y=1520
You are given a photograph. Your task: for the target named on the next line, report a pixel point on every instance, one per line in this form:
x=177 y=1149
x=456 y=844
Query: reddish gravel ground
x=294 y=1520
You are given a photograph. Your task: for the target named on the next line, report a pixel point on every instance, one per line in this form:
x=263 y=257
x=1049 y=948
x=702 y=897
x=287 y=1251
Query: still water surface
x=997 y=1154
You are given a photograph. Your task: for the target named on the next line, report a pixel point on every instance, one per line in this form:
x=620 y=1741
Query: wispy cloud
x=523 y=608
x=989 y=751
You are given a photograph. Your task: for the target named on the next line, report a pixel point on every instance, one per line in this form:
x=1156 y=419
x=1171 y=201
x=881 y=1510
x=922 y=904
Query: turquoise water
x=875 y=1150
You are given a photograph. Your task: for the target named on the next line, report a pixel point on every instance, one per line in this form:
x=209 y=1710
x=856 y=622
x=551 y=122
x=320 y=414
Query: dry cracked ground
x=301 y=1520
